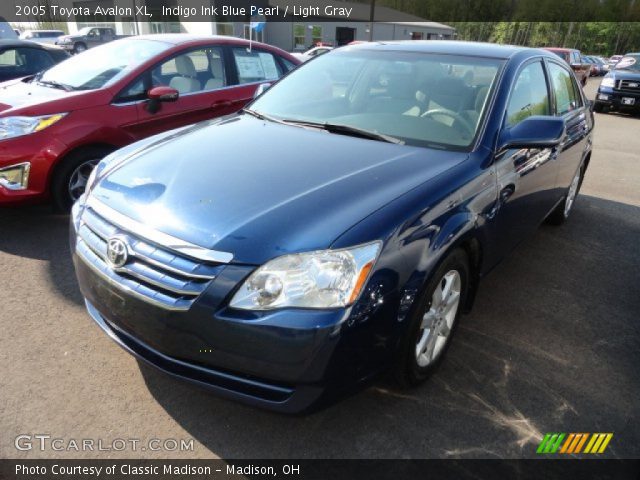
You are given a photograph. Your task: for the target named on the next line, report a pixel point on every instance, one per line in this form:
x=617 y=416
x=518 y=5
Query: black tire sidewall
x=62 y=202
x=408 y=372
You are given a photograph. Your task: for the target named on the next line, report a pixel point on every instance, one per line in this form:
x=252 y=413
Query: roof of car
x=16 y=42
x=180 y=38
x=559 y=49
x=452 y=47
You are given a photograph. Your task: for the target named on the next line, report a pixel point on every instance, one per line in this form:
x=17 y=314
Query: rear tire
x=71 y=175
x=434 y=320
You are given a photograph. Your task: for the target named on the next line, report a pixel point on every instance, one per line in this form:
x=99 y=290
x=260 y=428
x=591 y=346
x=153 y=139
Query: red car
x=581 y=69
x=57 y=125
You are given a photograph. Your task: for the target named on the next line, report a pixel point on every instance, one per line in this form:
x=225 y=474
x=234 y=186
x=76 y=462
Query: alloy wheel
x=79 y=178
x=571 y=194
x=437 y=321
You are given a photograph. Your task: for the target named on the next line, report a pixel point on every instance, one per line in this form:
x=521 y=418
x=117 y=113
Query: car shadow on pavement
x=36 y=233
x=551 y=346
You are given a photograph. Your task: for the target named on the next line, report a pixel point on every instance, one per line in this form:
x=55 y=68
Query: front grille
x=152 y=272
x=633 y=85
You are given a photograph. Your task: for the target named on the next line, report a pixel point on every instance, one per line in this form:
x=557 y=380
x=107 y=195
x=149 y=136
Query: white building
x=291 y=36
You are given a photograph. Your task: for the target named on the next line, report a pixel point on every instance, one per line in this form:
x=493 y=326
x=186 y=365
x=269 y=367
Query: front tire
x=70 y=178
x=79 y=47
x=561 y=213
x=434 y=320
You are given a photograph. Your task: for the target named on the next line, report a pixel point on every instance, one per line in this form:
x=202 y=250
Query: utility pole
x=372 y=13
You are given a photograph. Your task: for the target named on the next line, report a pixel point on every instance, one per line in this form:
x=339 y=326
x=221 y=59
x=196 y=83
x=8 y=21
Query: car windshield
x=116 y=59
x=419 y=99
x=85 y=30
x=629 y=62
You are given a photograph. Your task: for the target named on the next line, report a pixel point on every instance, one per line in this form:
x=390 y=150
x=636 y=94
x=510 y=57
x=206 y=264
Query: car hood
x=259 y=189
x=622 y=74
x=29 y=97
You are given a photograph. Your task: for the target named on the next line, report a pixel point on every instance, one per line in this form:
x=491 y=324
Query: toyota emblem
x=117 y=252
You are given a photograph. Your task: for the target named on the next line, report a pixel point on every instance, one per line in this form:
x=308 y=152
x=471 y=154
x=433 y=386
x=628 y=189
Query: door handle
x=221 y=104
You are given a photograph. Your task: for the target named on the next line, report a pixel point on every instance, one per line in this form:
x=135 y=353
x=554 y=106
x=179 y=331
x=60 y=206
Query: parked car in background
x=597 y=68
x=603 y=63
x=620 y=88
x=613 y=60
x=573 y=57
x=311 y=53
x=88 y=37
x=289 y=253
x=55 y=126
x=20 y=58
x=42 y=36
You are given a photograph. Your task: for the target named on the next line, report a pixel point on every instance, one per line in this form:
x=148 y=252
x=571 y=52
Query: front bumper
x=282 y=360
x=66 y=46
x=613 y=99
x=40 y=151
x=275 y=397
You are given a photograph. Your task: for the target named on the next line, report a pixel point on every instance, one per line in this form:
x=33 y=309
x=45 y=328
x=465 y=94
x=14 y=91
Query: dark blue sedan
x=339 y=226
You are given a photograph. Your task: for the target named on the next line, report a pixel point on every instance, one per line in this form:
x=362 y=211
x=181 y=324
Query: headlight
x=322 y=279
x=15 y=177
x=608 y=82
x=11 y=127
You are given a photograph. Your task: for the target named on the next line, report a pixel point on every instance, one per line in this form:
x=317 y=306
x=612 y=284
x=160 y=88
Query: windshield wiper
x=54 y=84
x=348 y=130
x=261 y=116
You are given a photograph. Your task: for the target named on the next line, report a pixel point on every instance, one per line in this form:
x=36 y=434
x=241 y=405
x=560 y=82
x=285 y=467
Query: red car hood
x=34 y=99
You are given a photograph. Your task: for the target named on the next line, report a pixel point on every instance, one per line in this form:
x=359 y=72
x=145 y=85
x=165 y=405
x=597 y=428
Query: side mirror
x=163 y=94
x=263 y=87
x=160 y=94
x=533 y=132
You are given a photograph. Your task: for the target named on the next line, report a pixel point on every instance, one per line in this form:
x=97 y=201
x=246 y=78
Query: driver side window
x=530 y=95
x=134 y=92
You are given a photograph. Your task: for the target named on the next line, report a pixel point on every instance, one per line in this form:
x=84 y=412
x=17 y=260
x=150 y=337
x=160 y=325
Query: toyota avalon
x=336 y=228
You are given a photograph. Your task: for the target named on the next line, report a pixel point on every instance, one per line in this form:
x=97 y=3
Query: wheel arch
x=54 y=171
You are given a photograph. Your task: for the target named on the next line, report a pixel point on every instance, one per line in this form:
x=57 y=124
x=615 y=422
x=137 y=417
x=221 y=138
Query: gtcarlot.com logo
x=44 y=442
x=574 y=443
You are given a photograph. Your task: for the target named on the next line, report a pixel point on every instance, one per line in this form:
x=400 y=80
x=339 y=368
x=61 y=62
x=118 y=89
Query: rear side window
x=29 y=60
x=567 y=98
x=255 y=66
x=9 y=58
x=530 y=95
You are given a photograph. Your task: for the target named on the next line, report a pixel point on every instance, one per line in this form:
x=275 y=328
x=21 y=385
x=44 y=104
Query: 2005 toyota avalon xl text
x=338 y=226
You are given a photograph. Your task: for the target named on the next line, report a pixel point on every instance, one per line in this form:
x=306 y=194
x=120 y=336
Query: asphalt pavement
x=553 y=345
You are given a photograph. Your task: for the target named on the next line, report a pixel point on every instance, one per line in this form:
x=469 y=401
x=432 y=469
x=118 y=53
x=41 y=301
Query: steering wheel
x=451 y=114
